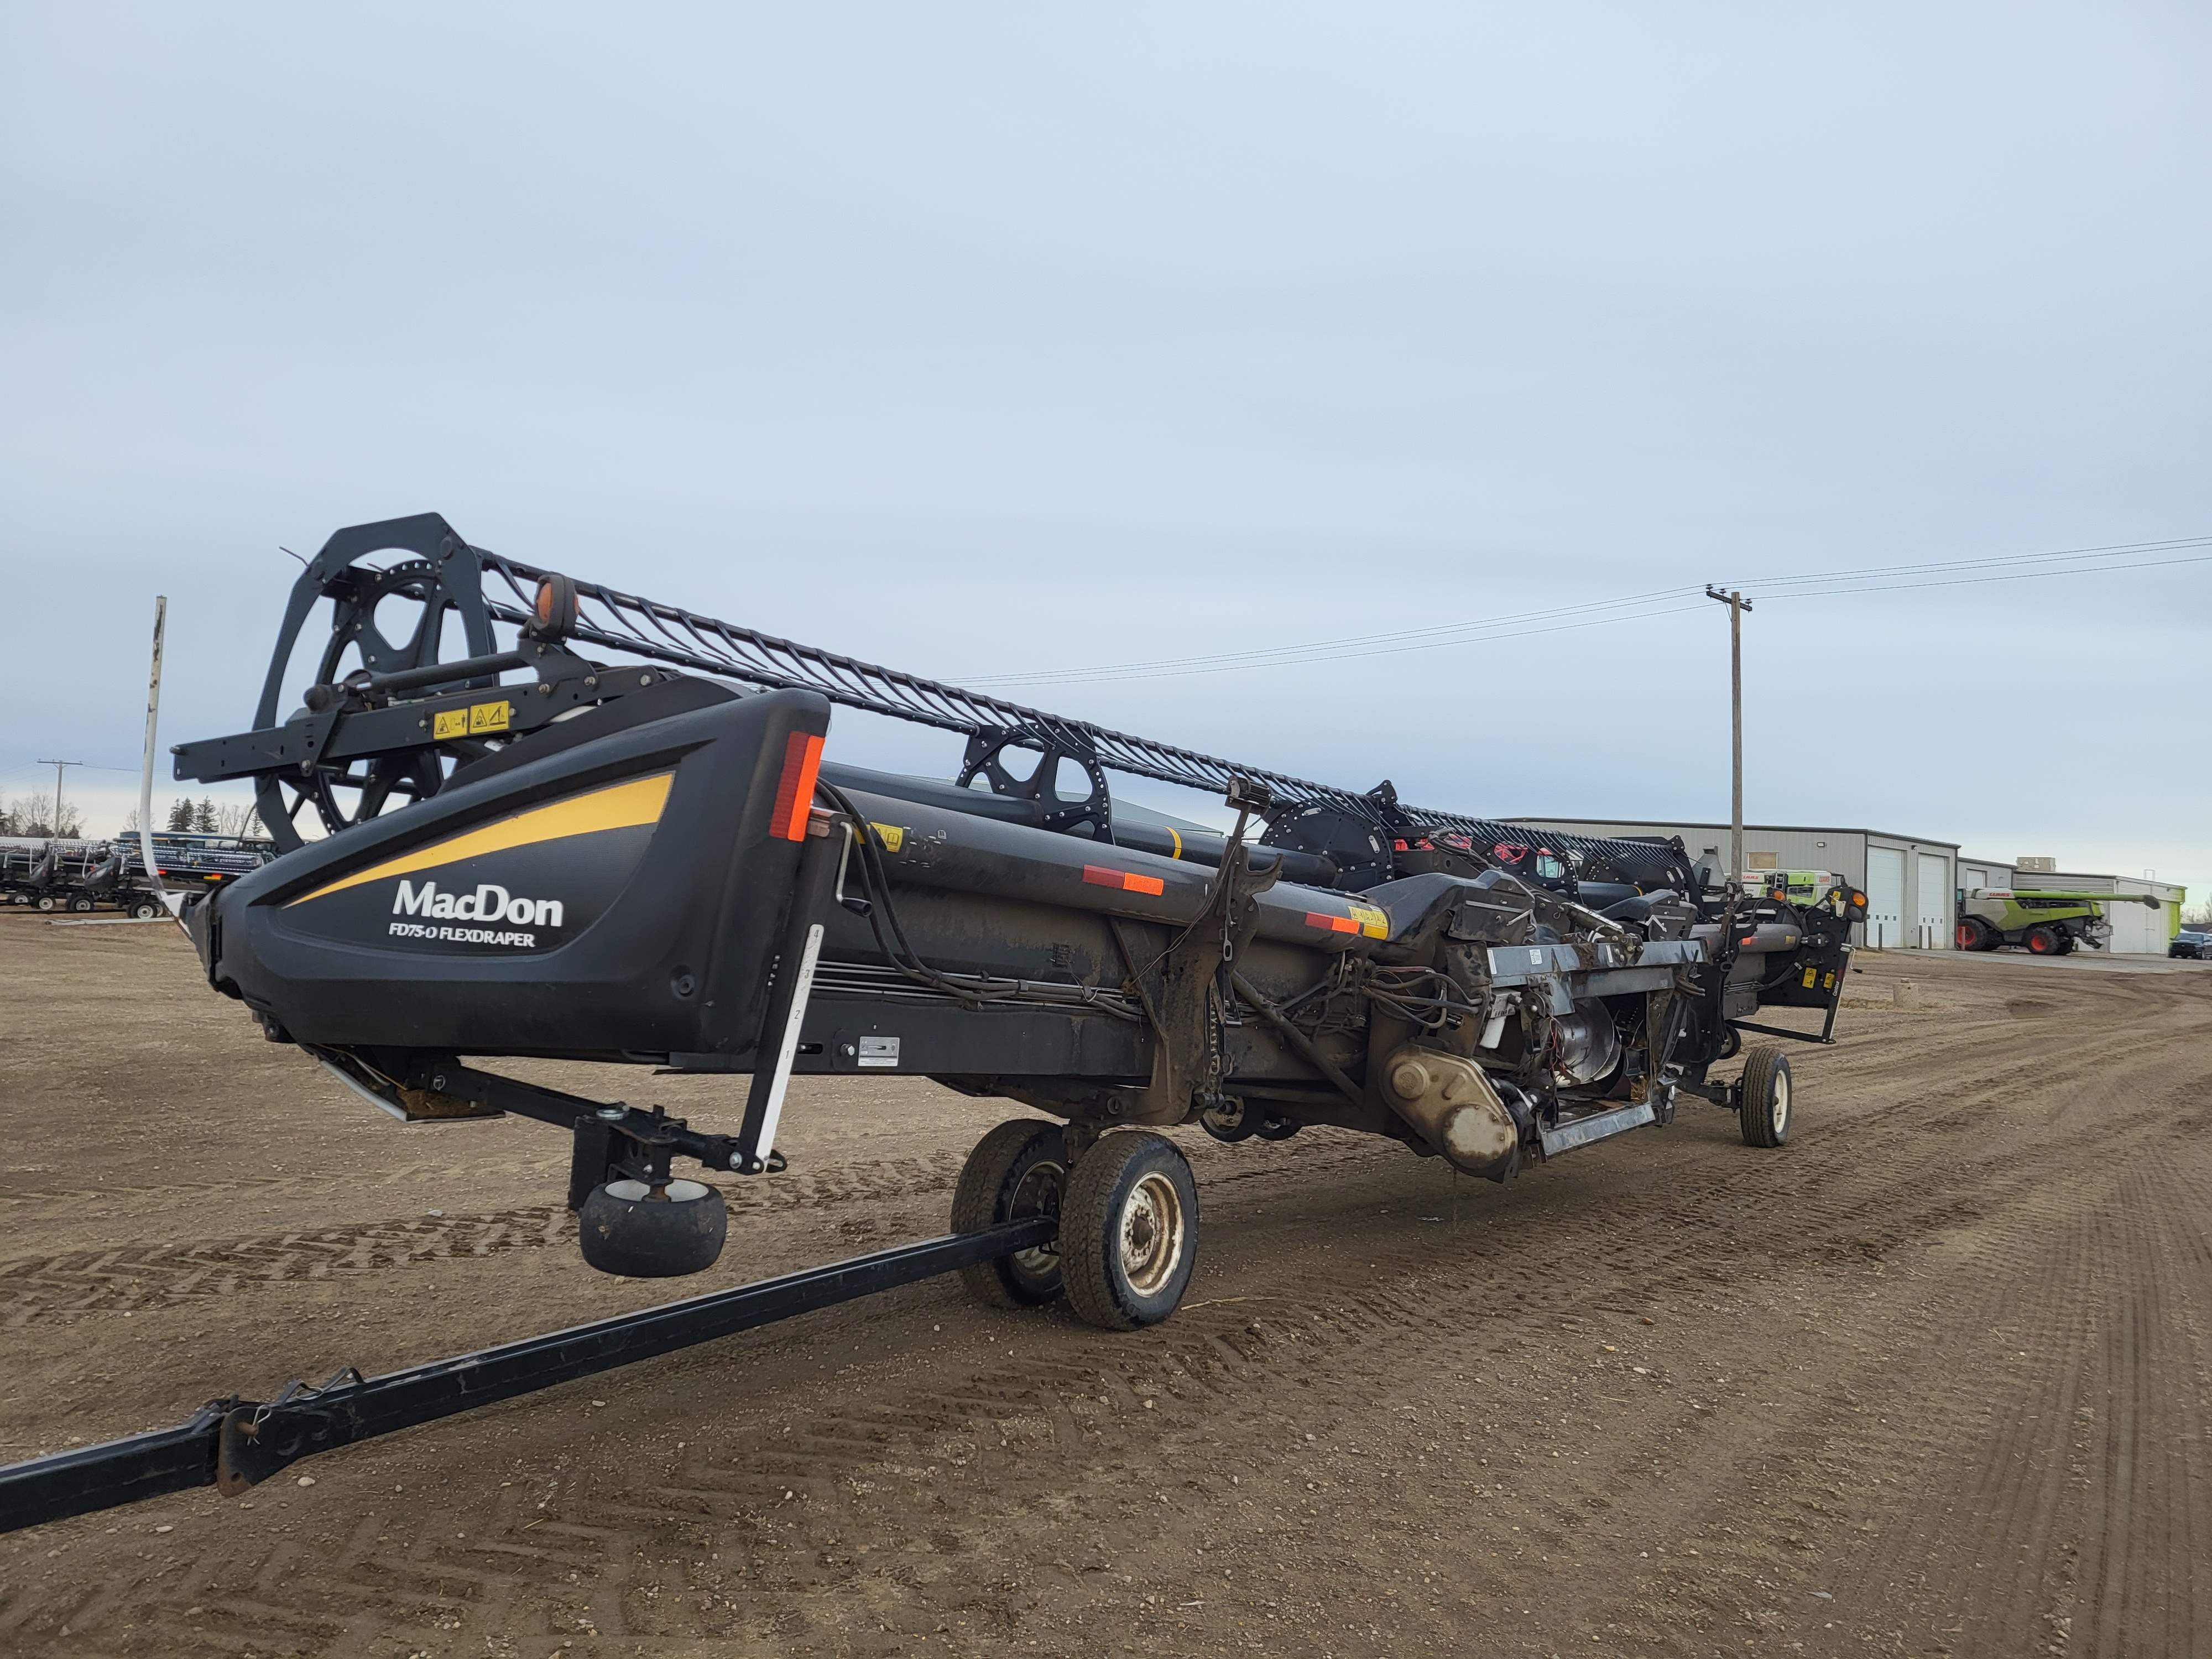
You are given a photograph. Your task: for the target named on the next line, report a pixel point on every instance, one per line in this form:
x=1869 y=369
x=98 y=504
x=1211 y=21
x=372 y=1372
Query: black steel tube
x=112 y=1474
x=1776 y=1030
x=175 y=1460
x=438 y=673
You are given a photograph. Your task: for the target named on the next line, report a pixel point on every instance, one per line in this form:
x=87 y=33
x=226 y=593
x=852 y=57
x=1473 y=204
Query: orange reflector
x=1128 y=880
x=1331 y=924
x=795 y=795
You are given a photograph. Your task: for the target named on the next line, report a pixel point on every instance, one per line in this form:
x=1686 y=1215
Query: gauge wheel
x=634 y=1230
x=1765 y=1099
x=1017 y=1170
x=1128 y=1233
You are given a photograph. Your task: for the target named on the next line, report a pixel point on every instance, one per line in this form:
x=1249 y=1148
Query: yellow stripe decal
x=622 y=807
x=1178 y=842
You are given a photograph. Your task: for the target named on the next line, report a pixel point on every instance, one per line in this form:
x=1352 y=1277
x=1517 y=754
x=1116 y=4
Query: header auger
x=615 y=836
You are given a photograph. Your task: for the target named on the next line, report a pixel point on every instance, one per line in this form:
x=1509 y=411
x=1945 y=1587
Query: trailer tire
x=80 y=905
x=145 y=910
x=1764 y=1098
x=1128 y=1232
x=1019 y=1170
x=625 y=1231
x=48 y=901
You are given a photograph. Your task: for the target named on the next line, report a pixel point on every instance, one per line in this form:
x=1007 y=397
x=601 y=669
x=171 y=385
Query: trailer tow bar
x=232 y=1445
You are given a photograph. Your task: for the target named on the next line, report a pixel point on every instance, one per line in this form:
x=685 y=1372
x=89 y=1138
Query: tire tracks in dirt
x=745 y=1533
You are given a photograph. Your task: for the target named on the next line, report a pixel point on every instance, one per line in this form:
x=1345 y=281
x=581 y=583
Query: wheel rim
x=1038 y=1193
x=1778 y=1110
x=1152 y=1234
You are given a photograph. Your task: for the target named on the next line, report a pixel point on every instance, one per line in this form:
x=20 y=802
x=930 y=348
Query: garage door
x=2137 y=930
x=1885 y=923
x=1932 y=896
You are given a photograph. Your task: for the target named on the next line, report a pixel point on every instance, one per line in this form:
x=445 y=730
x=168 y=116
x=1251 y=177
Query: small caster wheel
x=1273 y=1126
x=637 y=1231
x=1017 y=1170
x=1230 y=1120
x=1763 y=1098
x=1129 y=1232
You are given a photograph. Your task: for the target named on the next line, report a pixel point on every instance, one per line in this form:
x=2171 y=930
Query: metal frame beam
x=233 y=1444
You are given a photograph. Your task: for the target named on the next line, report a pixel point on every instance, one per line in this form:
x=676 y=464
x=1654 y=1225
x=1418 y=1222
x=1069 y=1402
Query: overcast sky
x=990 y=339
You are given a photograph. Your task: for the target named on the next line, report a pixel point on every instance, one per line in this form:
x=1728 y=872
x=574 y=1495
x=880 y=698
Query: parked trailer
x=31 y=872
x=80 y=876
x=628 y=860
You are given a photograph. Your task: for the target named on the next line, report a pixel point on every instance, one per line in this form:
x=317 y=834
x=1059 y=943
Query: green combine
x=2044 y=924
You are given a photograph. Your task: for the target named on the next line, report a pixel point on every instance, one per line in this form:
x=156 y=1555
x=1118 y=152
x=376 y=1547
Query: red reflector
x=794 y=794
x=1331 y=924
x=1128 y=881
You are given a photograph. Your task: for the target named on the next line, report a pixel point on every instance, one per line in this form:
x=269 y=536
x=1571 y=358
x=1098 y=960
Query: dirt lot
x=1933 y=1379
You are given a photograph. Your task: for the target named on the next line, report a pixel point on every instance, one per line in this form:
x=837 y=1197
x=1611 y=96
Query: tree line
x=32 y=818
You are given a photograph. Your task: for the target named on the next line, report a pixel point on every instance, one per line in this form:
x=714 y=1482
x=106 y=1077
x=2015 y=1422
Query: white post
x=174 y=903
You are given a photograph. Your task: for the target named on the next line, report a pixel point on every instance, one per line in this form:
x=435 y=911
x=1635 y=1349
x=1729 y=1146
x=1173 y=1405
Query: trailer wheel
x=1019 y=1170
x=1763 y=1097
x=1129 y=1232
x=145 y=910
x=80 y=905
x=624 y=1230
x=48 y=901
x=2041 y=941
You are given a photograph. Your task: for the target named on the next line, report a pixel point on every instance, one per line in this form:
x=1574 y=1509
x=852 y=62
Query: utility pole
x=151 y=863
x=58 y=766
x=1737 y=606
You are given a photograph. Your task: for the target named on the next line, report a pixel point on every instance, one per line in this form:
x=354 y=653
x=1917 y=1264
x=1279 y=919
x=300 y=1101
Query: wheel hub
x=1152 y=1234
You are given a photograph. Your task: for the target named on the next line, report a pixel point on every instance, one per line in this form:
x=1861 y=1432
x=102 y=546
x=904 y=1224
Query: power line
x=1640 y=607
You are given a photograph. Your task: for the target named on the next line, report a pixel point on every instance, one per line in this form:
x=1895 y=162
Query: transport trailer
x=542 y=851
x=38 y=873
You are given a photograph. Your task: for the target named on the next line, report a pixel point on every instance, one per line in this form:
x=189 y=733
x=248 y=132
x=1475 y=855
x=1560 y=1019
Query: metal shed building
x=1911 y=881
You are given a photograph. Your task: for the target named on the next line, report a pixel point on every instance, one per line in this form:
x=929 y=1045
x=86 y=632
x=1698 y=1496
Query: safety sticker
x=891 y=836
x=450 y=723
x=880 y=1051
x=1372 y=922
x=488 y=716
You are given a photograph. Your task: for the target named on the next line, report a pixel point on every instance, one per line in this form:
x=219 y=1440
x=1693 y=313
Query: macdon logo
x=489 y=902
